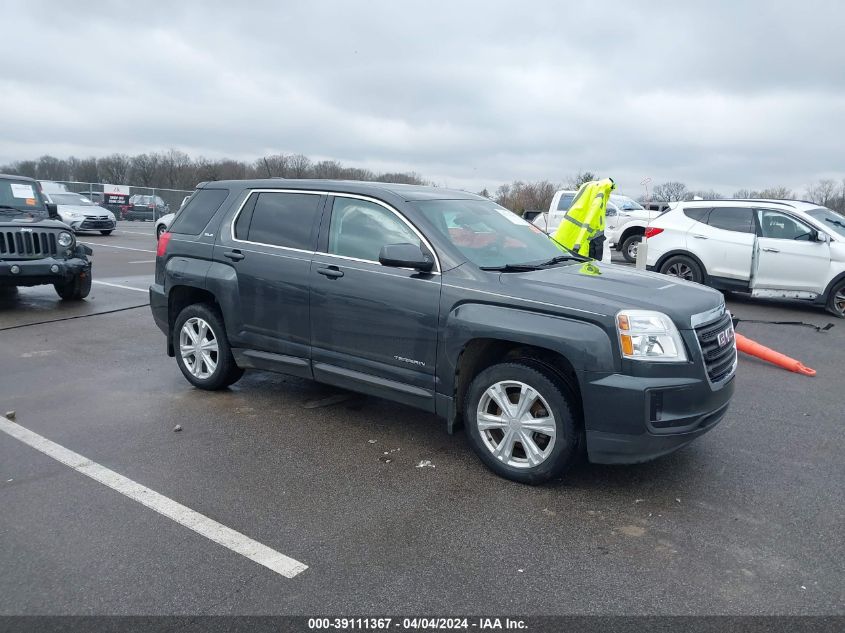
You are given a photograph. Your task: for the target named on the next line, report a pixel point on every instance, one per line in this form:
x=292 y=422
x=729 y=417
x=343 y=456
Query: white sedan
x=81 y=214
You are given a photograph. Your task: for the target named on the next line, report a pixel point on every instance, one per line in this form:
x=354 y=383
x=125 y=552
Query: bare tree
x=52 y=168
x=83 y=169
x=822 y=192
x=521 y=196
x=327 y=169
x=575 y=182
x=670 y=192
x=114 y=169
x=274 y=166
x=145 y=169
x=300 y=166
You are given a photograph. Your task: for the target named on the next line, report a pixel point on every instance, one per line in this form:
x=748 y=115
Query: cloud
x=471 y=94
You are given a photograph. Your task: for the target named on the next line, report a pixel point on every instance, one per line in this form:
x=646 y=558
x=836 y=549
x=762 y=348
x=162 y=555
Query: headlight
x=650 y=336
x=111 y=216
x=65 y=239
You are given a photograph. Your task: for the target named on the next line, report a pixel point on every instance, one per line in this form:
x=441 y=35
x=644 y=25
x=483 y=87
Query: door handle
x=771 y=250
x=700 y=237
x=332 y=272
x=234 y=255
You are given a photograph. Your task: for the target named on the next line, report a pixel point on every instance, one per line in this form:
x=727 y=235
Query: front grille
x=96 y=223
x=19 y=244
x=719 y=357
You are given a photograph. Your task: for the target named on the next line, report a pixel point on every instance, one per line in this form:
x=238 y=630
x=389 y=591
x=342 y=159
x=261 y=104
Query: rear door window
x=738 y=219
x=285 y=219
x=198 y=212
x=565 y=201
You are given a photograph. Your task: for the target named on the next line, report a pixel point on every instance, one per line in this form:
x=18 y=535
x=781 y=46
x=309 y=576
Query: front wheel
x=683 y=267
x=836 y=301
x=202 y=349
x=76 y=288
x=630 y=247
x=520 y=423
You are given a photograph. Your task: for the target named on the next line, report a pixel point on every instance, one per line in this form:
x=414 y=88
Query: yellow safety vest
x=585 y=217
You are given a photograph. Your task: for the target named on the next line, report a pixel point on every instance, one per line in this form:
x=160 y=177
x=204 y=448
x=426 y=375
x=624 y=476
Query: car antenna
x=267 y=165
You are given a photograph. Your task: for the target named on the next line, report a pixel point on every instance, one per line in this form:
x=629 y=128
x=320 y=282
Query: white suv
x=769 y=248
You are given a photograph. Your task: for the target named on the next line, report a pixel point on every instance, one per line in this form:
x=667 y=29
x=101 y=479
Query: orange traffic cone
x=753 y=348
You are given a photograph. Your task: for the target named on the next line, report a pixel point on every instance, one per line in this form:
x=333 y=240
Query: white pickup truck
x=624 y=228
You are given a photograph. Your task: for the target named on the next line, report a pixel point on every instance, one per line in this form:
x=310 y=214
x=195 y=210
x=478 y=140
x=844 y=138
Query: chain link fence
x=127 y=202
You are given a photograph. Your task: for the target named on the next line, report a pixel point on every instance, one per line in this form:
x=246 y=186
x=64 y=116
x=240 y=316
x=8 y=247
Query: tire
x=160 y=230
x=683 y=267
x=836 y=300
x=106 y=232
x=630 y=244
x=224 y=372
x=76 y=289
x=553 y=451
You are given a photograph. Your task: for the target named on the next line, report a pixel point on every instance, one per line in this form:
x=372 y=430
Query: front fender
x=585 y=345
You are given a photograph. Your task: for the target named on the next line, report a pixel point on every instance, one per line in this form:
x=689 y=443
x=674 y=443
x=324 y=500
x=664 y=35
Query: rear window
x=284 y=219
x=697 y=213
x=565 y=201
x=738 y=219
x=194 y=217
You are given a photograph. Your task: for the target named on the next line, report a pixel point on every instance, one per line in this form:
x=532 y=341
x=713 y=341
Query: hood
x=608 y=288
x=38 y=222
x=84 y=210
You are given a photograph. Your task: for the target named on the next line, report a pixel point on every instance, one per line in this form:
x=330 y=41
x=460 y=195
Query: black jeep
x=35 y=246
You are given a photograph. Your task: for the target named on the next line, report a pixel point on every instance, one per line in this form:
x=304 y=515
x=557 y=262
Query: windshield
x=71 y=198
x=830 y=220
x=624 y=203
x=488 y=235
x=20 y=197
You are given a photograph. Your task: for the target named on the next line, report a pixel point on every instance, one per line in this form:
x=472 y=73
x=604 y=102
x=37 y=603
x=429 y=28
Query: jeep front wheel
x=76 y=288
x=519 y=421
x=202 y=349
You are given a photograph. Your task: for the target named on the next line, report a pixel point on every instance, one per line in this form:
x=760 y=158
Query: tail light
x=162 y=244
x=151 y=206
x=652 y=231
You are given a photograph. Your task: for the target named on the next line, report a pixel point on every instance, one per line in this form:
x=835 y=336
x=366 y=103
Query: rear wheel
x=630 y=246
x=202 y=349
x=683 y=267
x=520 y=423
x=76 y=288
x=836 y=301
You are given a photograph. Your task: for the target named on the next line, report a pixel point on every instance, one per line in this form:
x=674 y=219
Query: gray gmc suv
x=444 y=301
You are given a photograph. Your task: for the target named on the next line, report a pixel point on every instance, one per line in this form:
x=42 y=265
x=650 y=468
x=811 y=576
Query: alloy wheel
x=839 y=302
x=198 y=347
x=516 y=424
x=679 y=269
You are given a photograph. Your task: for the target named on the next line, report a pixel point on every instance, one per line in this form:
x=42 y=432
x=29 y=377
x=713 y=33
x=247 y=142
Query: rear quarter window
x=697 y=213
x=198 y=212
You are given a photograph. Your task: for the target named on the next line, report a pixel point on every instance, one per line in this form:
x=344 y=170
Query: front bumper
x=89 y=224
x=35 y=272
x=631 y=419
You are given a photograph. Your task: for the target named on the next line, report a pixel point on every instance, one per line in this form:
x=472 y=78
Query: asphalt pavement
x=388 y=512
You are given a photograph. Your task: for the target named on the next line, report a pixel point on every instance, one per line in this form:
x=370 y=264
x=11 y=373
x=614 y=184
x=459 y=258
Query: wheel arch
x=663 y=258
x=825 y=296
x=178 y=298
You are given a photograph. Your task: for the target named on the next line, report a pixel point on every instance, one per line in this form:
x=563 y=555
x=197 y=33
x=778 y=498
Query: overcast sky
x=468 y=94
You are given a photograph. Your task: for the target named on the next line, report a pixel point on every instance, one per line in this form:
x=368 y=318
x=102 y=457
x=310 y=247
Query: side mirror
x=405 y=256
x=52 y=209
x=819 y=236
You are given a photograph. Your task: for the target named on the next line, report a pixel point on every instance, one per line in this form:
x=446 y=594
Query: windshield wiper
x=564 y=258
x=512 y=268
x=4 y=207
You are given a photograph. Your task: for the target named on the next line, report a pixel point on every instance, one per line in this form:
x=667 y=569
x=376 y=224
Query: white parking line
x=125 y=248
x=106 y=283
x=143 y=261
x=199 y=523
x=150 y=234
